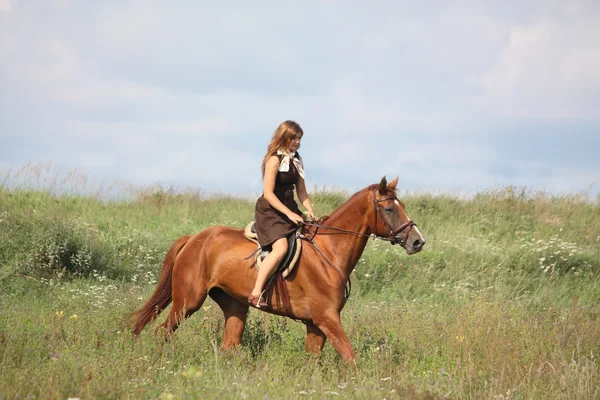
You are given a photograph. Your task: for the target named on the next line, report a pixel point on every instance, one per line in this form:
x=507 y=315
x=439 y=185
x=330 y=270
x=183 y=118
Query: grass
x=503 y=302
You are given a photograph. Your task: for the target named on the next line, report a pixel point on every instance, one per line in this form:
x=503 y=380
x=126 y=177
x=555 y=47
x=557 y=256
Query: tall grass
x=503 y=302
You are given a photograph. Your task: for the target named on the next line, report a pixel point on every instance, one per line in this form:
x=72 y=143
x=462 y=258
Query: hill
x=503 y=302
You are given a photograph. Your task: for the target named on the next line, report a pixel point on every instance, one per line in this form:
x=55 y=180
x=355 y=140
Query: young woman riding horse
x=214 y=263
x=276 y=212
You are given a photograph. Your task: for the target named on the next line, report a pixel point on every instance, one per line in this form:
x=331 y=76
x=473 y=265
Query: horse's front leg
x=330 y=324
x=315 y=338
x=235 y=318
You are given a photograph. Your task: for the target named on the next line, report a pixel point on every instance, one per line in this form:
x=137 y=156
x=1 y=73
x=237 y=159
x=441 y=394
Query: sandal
x=257 y=301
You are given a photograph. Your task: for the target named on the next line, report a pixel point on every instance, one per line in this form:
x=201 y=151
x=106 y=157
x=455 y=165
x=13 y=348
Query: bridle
x=395 y=237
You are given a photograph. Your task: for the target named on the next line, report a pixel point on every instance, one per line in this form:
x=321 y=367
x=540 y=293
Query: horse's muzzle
x=411 y=247
x=417 y=245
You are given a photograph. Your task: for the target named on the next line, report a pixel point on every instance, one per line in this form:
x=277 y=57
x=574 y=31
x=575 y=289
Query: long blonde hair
x=285 y=132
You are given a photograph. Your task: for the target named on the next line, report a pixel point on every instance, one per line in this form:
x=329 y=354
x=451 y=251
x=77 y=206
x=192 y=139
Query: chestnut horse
x=214 y=262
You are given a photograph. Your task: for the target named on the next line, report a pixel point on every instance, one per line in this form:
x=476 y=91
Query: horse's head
x=390 y=218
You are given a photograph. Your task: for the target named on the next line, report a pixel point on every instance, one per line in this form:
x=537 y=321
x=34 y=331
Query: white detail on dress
x=284 y=165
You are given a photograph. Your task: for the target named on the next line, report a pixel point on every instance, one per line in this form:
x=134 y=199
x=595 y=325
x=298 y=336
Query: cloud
x=6 y=5
x=550 y=69
x=444 y=95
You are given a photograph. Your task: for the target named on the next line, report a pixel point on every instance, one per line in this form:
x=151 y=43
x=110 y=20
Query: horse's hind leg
x=186 y=301
x=235 y=317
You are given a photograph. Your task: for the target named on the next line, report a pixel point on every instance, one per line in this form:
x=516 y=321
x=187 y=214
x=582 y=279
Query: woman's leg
x=270 y=264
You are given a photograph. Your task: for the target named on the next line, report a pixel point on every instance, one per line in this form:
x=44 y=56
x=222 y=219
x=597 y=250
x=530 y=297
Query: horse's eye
x=389 y=210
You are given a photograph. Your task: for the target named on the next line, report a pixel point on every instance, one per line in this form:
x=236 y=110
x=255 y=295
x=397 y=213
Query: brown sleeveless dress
x=271 y=224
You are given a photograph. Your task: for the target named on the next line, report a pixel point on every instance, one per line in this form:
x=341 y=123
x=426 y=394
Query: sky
x=457 y=97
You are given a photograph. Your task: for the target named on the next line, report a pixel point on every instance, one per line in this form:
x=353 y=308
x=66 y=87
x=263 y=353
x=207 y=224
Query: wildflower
x=59 y=313
x=74 y=316
x=192 y=373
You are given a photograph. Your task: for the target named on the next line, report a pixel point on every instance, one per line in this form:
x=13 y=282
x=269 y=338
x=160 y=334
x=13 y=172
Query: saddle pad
x=289 y=260
x=250 y=233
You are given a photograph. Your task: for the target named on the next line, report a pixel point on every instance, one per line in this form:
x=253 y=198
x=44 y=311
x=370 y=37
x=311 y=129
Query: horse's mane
x=351 y=200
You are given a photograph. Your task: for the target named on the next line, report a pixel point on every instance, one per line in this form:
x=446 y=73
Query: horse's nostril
x=417 y=244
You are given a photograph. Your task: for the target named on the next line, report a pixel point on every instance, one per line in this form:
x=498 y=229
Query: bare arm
x=303 y=197
x=269 y=185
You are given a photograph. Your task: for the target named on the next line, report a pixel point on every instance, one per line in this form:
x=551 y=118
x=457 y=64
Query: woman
x=277 y=214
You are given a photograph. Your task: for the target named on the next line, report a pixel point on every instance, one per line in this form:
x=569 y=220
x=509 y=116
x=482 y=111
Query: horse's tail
x=161 y=297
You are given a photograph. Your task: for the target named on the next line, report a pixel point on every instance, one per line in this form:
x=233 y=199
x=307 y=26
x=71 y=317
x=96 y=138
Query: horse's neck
x=345 y=249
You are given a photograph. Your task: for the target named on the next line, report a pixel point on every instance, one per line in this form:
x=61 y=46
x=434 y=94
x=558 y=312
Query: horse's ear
x=392 y=185
x=382 y=185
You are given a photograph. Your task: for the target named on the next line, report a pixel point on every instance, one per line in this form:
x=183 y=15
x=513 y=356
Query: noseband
x=395 y=237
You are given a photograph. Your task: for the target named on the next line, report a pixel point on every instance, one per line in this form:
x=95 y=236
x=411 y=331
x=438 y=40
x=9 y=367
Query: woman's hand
x=295 y=218
x=311 y=216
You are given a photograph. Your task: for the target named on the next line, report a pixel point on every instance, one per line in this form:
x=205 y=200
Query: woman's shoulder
x=273 y=160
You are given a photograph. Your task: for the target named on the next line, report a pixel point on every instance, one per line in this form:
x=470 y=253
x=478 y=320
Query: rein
x=345 y=282
x=394 y=237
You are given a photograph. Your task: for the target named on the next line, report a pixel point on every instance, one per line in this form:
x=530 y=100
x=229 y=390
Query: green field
x=502 y=303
